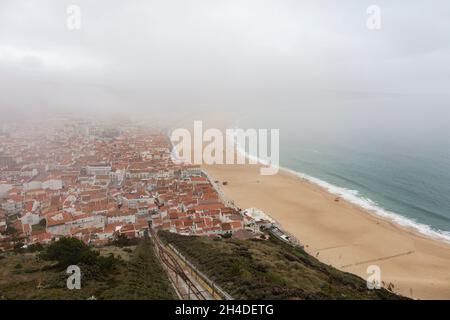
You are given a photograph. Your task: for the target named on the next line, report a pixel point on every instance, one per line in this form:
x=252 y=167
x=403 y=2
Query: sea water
x=393 y=161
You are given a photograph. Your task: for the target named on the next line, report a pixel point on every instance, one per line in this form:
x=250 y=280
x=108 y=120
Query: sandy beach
x=340 y=233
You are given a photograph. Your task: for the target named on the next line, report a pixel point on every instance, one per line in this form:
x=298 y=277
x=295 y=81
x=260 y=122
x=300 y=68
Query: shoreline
x=396 y=219
x=373 y=208
x=365 y=204
x=341 y=233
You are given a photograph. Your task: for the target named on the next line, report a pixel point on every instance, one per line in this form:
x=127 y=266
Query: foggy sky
x=300 y=57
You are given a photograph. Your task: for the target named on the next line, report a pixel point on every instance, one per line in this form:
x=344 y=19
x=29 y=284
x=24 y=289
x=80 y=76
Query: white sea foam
x=355 y=198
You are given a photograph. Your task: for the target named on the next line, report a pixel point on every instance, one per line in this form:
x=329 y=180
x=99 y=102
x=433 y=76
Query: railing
x=172 y=264
x=215 y=287
x=279 y=233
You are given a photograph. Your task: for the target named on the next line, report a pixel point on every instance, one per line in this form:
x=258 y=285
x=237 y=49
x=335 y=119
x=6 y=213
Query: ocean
x=400 y=172
x=407 y=185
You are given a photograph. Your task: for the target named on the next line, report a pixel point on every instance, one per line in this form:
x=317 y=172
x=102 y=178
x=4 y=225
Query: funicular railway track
x=184 y=285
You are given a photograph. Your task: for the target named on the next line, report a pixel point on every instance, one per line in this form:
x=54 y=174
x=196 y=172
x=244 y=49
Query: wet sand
x=340 y=233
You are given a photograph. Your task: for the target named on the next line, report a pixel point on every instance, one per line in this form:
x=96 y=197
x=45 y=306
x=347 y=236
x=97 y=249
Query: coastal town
x=95 y=182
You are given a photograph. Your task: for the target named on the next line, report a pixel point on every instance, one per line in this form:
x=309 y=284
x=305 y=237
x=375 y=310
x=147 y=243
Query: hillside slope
x=135 y=273
x=270 y=269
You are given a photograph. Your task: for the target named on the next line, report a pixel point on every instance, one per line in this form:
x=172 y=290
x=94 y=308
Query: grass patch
x=146 y=279
x=270 y=270
x=107 y=273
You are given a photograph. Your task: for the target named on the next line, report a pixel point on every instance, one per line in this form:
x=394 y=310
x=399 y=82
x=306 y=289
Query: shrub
x=71 y=251
x=10 y=230
x=120 y=240
x=106 y=263
x=35 y=247
x=226 y=235
x=18 y=246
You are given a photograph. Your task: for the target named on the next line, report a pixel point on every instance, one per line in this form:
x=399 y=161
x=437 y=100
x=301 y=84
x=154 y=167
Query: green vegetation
x=71 y=251
x=121 y=240
x=106 y=273
x=10 y=231
x=270 y=269
x=35 y=247
x=146 y=279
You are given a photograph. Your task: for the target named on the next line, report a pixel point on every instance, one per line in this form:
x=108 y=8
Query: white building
x=98 y=169
x=122 y=217
x=12 y=206
x=52 y=183
x=88 y=221
x=2 y=225
x=4 y=188
x=257 y=217
x=58 y=223
x=30 y=218
x=33 y=185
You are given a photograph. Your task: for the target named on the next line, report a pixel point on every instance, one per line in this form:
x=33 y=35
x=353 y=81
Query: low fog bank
x=313 y=67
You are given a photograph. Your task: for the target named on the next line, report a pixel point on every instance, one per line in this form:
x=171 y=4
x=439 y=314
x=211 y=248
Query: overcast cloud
x=187 y=56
